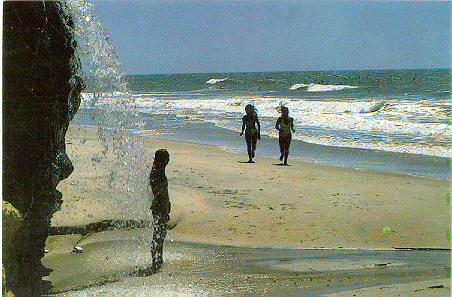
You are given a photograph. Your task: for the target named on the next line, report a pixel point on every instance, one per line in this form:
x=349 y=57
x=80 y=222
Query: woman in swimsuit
x=284 y=125
x=251 y=133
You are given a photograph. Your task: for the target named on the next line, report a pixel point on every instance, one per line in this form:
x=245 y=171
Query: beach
x=105 y=99
x=219 y=200
x=111 y=261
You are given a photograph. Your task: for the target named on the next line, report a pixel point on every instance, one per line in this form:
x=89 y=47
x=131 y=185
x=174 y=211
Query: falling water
x=113 y=107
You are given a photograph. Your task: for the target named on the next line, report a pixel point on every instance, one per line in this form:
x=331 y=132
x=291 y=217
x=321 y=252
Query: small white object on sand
x=77 y=249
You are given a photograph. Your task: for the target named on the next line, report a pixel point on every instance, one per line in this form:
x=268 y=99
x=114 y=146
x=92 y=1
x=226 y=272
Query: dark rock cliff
x=41 y=89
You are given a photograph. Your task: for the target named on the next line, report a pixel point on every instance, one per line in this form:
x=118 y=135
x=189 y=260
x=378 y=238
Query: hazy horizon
x=275 y=71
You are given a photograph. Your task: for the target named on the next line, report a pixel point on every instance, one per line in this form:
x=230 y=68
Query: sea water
x=383 y=120
x=343 y=113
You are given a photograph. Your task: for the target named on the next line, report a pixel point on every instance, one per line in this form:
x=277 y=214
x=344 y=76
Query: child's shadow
x=144 y=271
x=281 y=164
x=245 y=162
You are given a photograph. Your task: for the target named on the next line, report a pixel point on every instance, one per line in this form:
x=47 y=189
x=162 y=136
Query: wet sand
x=243 y=229
x=109 y=261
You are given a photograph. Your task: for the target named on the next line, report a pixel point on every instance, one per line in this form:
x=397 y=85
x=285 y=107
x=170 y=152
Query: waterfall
x=119 y=115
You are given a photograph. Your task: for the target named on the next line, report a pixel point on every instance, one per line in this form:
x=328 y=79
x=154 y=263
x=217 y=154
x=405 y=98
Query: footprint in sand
x=230 y=192
x=240 y=204
x=287 y=206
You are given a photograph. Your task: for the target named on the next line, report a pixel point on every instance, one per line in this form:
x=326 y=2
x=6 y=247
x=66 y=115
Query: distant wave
x=321 y=88
x=297 y=86
x=213 y=81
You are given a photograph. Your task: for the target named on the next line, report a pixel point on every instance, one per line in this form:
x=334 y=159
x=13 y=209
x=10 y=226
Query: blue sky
x=230 y=36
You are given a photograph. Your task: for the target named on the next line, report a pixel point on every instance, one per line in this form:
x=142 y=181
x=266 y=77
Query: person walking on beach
x=250 y=120
x=161 y=205
x=284 y=125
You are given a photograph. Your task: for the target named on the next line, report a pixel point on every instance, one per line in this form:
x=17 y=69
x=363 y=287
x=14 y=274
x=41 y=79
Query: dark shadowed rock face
x=41 y=89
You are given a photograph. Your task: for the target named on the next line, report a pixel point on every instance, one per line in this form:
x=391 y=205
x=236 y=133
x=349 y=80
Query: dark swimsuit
x=251 y=132
x=285 y=134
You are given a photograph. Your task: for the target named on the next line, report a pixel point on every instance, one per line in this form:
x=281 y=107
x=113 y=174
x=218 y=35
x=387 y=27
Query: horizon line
x=270 y=71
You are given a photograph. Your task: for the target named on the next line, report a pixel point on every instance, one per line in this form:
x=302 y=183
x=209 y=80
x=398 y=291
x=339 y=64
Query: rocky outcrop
x=41 y=88
x=11 y=222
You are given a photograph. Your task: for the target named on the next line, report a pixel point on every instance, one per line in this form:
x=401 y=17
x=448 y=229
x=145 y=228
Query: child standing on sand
x=284 y=125
x=161 y=205
x=251 y=133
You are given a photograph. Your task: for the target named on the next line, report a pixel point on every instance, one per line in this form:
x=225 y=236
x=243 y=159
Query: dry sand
x=218 y=199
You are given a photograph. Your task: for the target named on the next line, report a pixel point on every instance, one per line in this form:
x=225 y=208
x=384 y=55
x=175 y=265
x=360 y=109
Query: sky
x=250 y=36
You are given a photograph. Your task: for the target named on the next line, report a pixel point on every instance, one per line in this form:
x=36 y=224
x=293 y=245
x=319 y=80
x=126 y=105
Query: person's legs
x=158 y=237
x=287 y=141
x=281 y=147
x=254 y=143
x=162 y=235
x=249 y=146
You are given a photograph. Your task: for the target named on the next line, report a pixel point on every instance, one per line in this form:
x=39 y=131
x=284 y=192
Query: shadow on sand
x=144 y=271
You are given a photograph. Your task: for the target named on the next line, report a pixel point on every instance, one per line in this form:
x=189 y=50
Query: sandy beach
x=218 y=201
x=358 y=91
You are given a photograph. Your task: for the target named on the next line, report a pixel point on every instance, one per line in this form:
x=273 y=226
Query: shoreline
x=205 y=133
x=304 y=162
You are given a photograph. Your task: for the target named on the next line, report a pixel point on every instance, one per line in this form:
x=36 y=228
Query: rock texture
x=11 y=221
x=41 y=88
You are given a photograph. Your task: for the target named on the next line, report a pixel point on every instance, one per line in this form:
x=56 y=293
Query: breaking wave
x=321 y=88
x=297 y=86
x=213 y=81
x=418 y=127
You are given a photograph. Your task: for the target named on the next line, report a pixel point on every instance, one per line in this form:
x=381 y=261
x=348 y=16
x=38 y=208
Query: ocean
x=397 y=112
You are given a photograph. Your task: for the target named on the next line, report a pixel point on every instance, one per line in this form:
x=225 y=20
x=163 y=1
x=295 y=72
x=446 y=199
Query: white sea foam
x=327 y=88
x=321 y=88
x=373 y=108
x=422 y=123
x=297 y=86
x=213 y=81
